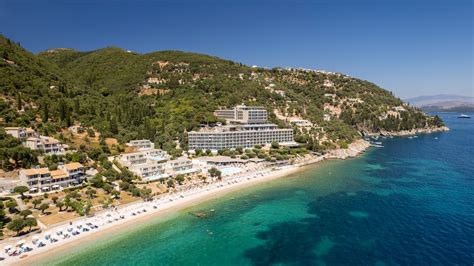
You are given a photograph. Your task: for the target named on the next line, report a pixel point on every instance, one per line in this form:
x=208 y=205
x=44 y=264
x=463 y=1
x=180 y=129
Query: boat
x=463 y=116
x=376 y=145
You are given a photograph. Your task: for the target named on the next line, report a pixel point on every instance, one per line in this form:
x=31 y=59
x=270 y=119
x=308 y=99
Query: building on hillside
x=141 y=144
x=31 y=139
x=44 y=180
x=21 y=132
x=48 y=145
x=247 y=127
x=301 y=122
x=242 y=114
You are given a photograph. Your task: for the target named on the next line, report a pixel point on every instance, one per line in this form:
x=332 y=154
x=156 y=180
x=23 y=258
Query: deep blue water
x=409 y=203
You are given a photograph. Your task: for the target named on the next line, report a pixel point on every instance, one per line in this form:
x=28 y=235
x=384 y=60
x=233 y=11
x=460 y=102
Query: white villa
x=141 y=144
x=31 y=139
x=21 y=132
x=154 y=164
x=47 y=144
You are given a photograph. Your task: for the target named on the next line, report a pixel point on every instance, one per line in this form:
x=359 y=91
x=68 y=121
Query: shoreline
x=53 y=249
x=166 y=205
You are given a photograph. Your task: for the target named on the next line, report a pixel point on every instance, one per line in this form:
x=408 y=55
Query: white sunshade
x=21 y=242
x=35 y=237
x=45 y=188
x=55 y=186
x=8 y=247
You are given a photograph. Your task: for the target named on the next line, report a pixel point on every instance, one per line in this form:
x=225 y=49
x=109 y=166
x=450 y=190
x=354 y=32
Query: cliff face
x=162 y=95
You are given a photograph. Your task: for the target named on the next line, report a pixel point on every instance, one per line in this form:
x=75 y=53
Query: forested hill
x=162 y=95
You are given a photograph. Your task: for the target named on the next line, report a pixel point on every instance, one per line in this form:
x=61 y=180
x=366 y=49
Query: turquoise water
x=411 y=202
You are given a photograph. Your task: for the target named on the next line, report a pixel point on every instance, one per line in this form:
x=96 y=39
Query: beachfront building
x=154 y=164
x=150 y=164
x=141 y=144
x=246 y=127
x=44 y=180
x=180 y=166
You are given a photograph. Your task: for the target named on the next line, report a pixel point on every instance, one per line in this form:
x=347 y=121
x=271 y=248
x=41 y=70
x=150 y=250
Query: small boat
x=463 y=116
x=376 y=145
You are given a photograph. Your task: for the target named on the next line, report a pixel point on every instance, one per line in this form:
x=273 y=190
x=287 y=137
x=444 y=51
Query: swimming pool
x=230 y=170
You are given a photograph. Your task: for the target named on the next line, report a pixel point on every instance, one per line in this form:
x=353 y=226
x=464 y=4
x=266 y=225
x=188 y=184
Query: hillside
x=162 y=95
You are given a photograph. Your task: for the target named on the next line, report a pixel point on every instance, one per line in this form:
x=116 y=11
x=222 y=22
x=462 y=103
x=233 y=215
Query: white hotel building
x=246 y=127
x=155 y=164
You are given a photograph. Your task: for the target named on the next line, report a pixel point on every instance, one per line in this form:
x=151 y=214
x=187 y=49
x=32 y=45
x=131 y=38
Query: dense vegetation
x=162 y=95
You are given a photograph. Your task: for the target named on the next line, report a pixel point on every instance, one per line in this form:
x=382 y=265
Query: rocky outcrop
x=354 y=149
x=412 y=132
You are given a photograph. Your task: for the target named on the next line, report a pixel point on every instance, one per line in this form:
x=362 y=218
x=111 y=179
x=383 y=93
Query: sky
x=410 y=47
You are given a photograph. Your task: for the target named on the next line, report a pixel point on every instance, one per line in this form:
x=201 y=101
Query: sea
x=408 y=203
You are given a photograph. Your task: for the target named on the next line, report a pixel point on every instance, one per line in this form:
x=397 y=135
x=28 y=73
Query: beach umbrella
x=8 y=247
x=79 y=225
x=70 y=228
x=20 y=243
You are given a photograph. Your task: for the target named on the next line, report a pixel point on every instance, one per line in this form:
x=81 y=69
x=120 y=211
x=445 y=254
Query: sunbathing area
x=55 y=235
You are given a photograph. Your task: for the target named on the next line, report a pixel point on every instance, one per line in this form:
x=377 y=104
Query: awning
x=55 y=186
x=45 y=188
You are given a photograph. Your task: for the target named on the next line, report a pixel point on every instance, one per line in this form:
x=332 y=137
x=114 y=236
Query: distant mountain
x=421 y=101
x=443 y=102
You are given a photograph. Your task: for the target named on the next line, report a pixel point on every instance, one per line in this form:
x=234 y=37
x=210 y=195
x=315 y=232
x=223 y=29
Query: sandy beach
x=124 y=217
x=155 y=208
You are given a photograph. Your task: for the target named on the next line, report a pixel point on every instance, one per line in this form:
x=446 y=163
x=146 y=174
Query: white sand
x=153 y=209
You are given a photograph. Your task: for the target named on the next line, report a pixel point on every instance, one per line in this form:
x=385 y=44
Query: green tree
x=214 y=172
x=19 y=102
x=21 y=190
x=30 y=222
x=179 y=179
x=11 y=205
x=16 y=225
x=25 y=213
x=55 y=199
x=275 y=145
x=36 y=202
x=43 y=207
x=60 y=205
